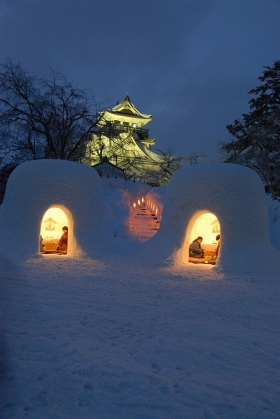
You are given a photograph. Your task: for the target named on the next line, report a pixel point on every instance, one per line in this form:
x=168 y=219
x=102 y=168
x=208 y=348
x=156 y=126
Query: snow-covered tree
x=256 y=137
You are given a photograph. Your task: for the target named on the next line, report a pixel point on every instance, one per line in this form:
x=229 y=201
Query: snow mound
x=119 y=195
x=236 y=196
x=36 y=186
x=273 y=207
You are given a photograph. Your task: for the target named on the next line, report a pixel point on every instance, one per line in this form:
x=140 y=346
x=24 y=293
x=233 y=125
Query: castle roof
x=126 y=111
x=127 y=107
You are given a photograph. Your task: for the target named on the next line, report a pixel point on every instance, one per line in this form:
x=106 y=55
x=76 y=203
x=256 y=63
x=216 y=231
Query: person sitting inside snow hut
x=195 y=250
x=42 y=244
x=218 y=238
x=62 y=244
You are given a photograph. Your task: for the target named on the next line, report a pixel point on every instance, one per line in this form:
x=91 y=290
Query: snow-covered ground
x=111 y=338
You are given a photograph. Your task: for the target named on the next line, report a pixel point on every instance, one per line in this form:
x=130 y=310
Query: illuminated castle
x=123 y=142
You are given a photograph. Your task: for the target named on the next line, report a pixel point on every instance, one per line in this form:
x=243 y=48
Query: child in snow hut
x=62 y=244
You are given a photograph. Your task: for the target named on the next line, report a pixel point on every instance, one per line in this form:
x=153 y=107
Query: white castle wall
x=35 y=186
x=236 y=196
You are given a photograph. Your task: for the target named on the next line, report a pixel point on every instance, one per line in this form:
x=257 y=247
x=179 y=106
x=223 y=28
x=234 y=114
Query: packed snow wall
x=36 y=186
x=235 y=195
x=274 y=221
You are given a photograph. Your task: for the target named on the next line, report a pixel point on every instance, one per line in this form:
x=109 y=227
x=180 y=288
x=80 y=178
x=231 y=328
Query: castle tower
x=124 y=142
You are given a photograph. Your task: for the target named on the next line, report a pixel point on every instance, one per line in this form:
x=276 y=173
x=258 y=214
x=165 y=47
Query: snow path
x=107 y=339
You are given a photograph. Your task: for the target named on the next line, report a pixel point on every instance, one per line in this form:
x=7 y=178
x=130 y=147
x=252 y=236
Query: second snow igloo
x=39 y=186
x=236 y=197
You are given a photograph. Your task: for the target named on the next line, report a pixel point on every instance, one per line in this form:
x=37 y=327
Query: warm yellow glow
x=142 y=221
x=206 y=226
x=53 y=221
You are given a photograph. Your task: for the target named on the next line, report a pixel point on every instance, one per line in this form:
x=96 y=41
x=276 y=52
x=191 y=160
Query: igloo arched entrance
x=54 y=219
x=206 y=225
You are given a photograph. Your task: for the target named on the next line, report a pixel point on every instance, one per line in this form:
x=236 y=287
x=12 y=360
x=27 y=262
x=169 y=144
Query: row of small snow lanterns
x=141 y=201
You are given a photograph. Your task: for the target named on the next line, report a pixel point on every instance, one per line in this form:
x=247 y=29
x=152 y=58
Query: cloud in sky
x=189 y=63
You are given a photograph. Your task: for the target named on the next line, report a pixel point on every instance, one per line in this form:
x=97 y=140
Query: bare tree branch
x=43 y=118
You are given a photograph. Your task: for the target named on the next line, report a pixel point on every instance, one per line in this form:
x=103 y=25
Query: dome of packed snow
x=225 y=204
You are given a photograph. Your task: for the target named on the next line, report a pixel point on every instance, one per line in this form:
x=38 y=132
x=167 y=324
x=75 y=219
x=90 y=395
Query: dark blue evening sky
x=190 y=63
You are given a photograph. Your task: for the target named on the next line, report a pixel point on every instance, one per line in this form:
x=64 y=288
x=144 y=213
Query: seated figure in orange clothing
x=218 y=238
x=62 y=244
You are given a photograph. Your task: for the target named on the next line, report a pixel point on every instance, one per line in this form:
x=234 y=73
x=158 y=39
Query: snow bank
x=35 y=186
x=119 y=195
x=235 y=195
x=157 y=195
x=273 y=207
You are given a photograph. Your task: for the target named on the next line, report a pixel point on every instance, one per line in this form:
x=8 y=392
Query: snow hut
x=235 y=196
x=36 y=188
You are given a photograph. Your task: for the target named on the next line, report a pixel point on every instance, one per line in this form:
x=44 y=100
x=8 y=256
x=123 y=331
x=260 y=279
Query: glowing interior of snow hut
x=52 y=223
x=206 y=226
x=144 y=218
